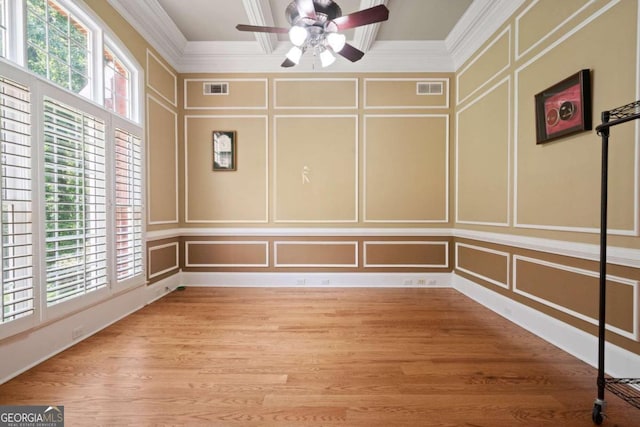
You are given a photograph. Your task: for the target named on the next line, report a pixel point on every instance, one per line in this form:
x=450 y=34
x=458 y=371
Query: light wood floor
x=316 y=357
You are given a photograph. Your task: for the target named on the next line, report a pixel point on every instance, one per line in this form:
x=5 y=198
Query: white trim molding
x=266 y=53
x=176 y=264
x=507 y=208
x=189 y=243
x=628 y=257
x=444 y=80
x=276 y=244
x=317 y=280
x=506 y=255
x=445 y=246
x=588 y=273
x=460 y=73
x=619 y=363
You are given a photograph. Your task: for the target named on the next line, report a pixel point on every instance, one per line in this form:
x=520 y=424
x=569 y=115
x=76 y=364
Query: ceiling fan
x=316 y=26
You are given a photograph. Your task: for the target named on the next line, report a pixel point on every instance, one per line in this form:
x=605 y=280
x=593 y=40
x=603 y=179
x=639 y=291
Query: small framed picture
x=564 y=108
x=224 y=150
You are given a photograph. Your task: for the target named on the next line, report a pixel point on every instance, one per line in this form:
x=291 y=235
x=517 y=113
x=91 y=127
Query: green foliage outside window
x=58 y=46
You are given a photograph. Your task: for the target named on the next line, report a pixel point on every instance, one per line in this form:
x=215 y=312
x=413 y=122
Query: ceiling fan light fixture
x=298 y=35
x=316 y=26
x=327 y=58
x=294 y=54
x=336 y=41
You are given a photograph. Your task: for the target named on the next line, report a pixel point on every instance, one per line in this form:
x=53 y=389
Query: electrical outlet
x=421 y=282
x=326 y=281
x=300 y=282
x=408 y=282
x=432 y=282
x=77 y=333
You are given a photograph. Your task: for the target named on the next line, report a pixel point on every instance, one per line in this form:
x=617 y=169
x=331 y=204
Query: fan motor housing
x=326 y=10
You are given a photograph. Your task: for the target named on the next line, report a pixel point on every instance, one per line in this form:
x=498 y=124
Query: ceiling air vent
x=429 y=88
x=216 y=88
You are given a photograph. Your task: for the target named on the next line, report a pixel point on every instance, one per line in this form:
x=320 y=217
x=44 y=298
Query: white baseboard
x=30 y=348
x=36 y=345
x=619 y=363
x=322 y=280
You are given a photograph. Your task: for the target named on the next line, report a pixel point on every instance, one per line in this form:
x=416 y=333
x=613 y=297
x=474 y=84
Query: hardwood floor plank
x=316 y=357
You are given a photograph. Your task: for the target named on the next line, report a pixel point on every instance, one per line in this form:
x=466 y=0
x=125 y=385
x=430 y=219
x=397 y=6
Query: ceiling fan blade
x=306 y=8
x=260 y=29
x=288 y=63
x=351 y=53
x=363 y=17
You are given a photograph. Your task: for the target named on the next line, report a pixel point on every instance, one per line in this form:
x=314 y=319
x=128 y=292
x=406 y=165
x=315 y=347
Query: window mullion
x=76 y=233
x=15 y=184
x=97 y=70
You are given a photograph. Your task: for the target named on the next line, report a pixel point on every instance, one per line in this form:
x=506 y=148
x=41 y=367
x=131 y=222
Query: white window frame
x=26 y=322
x=118 y=122
x=89 y=155
x=4 y=23
x=96 y=41
x=101 y=36
x=134 y=77
x=15 y=31
x=13 y=66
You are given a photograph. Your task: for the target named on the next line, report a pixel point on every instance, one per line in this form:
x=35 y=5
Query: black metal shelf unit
x=626 y=388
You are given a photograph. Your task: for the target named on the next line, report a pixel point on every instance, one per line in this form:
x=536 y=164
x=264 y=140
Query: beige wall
x=343 y=254
x=161 y=103
x=509 y=185
x=343 y=150
x=503 y=178
x=364 y=150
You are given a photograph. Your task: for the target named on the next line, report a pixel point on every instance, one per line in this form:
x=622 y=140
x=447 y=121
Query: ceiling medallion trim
x=476 y=26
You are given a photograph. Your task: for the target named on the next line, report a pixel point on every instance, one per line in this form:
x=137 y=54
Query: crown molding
x=480 y=21
x=365 y=36
x=259 y=13
x=244 y=57
x=153 y=23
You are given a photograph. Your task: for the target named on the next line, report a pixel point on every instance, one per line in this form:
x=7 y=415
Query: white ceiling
x=420 y=35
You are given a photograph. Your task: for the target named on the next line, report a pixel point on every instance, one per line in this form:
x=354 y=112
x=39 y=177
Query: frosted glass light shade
x=336 y=41
x=294 y=54
x=327 y=58
x=298 y=35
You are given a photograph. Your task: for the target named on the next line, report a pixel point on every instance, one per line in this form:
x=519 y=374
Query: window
x=75 y=202
x=15 y=183
x=117 y=84
x=76 y=237
x=58 y=46
x=128 y=212
x=3 y=28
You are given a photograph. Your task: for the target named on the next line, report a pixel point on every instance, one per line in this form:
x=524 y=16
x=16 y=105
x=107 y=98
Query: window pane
x=15 y=182
x=38 y=7
x=79 y=83
x=128 y=205
x=37 y=61
x=78 y=33
x=58 y=72
x=79 y=59
x=117 y=84
x=36 y=32
x=75 y=203
x=58 y=46
x=3 y=27
x=57 y=19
